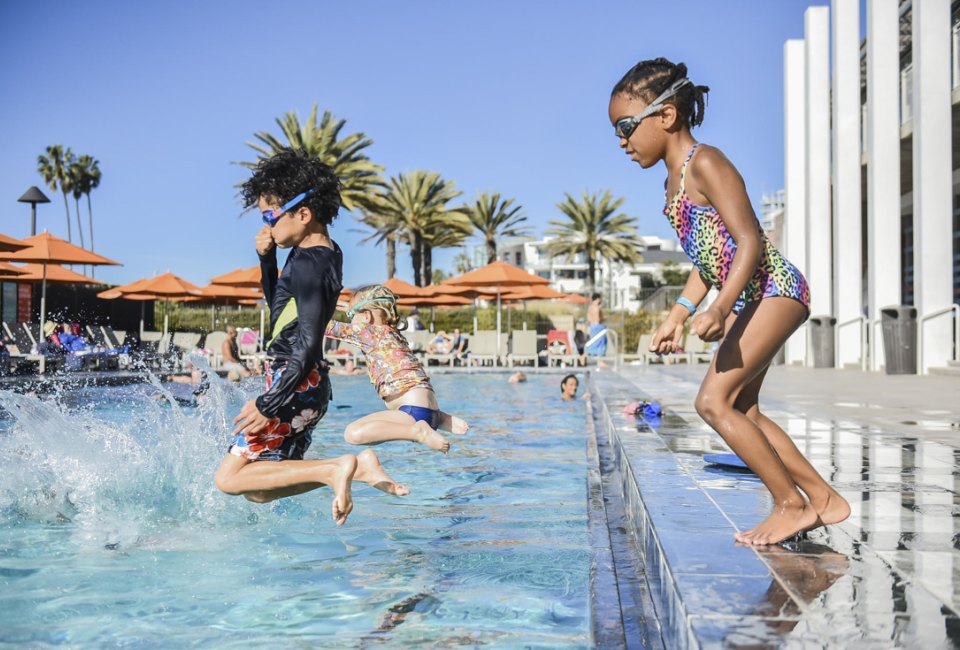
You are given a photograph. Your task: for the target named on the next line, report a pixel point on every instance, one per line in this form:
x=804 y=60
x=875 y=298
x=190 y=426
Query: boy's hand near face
x=264 y=240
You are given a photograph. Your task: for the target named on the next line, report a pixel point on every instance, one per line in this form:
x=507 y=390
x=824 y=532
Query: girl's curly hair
x=648 y=79
x=290 y=172
x=380 y=298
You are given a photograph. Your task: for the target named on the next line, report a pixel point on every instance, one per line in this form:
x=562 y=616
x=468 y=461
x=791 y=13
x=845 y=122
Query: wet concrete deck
x=887 y=577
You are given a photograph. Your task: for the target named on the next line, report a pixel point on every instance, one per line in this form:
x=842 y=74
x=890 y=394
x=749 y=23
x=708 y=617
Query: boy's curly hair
x=382 y=299
x=290 y=172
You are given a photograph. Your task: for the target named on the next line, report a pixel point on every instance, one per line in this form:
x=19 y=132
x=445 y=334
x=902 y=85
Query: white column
x=847 y=221
x=932 y=178
x=795 y=175
x=819 y=231
x=883 y=165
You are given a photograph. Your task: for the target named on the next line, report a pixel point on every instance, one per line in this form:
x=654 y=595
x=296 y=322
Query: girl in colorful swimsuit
x=762 y=299
x=412 y=410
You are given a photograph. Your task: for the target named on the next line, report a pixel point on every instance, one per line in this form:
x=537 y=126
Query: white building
x=619 y=283
x=872 y=174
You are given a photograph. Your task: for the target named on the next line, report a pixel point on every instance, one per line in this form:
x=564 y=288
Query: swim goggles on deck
x=271 y=217
x=356 y=308
x=625 y=127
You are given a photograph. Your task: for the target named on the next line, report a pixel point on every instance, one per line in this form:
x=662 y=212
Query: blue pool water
x=112 y=534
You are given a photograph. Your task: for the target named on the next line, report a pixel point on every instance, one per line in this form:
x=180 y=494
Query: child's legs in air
x=750 y=344
x=384 y=426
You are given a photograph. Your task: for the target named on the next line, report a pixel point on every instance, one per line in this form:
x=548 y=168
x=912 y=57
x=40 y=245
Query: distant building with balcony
x=621 y=285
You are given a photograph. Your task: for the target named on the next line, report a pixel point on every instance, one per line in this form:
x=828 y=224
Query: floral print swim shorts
x=288 y=435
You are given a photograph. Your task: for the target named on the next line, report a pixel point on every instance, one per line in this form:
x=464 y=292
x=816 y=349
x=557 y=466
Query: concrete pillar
x=883 y=166
x=932 y=178
x=819 y=230
x=795 y=175
x=847 y=268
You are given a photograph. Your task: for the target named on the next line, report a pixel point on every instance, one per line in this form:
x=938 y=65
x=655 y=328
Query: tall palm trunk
x=416 y=250
x=427 y=264
x=591 y=275
x=391 y=257
x=66 y=207
x=491 y=250
x=79 y=223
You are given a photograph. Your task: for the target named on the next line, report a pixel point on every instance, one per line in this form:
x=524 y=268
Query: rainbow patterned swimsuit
x=710 y=247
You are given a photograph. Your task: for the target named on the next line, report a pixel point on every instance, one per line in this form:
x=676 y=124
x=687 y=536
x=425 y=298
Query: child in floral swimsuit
x=412 y=410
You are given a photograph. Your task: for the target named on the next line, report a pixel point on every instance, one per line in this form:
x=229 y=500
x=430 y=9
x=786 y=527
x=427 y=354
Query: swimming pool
x=112 y=534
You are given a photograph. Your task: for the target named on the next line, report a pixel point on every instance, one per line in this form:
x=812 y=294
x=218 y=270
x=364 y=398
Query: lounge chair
x=214 y=344
x=483 y=347
x=114 y=338
x=523 y=347
x=560 y=350
x=186 y=342
x=20 y=345
x=699 y=350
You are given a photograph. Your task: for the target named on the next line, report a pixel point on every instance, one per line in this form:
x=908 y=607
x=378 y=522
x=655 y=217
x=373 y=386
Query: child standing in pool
x=298 y=196
x=412 y=409
x=762 y=297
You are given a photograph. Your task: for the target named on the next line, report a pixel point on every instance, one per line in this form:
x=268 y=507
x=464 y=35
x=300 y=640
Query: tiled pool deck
x=887 y=577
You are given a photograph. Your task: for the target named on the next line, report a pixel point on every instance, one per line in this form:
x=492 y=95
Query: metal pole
x=43 y=316
x=33 y=219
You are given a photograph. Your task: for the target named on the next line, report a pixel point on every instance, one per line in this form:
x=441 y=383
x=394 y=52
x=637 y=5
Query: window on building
x=906 y=258
x=906 y=93
x=8 y=300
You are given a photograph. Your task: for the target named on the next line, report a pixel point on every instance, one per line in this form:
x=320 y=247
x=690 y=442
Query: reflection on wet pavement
x=887 y=577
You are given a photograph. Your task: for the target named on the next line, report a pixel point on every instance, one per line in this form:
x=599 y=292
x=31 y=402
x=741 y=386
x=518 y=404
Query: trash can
x=821 y=338
x=899 y=326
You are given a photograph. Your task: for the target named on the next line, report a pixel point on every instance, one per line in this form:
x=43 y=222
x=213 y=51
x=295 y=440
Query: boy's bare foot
x=371 y=472
x=458 y=426
x=783 y=523
x=431 y=438
x=342 y=501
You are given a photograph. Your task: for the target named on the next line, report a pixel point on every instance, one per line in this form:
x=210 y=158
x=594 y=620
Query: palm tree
x=386 y=229
x=76 y=173
x=90 y=181
x=359 y=177
x=493 y=218
x=54 y=167
x=416 y=204
x=592 y=228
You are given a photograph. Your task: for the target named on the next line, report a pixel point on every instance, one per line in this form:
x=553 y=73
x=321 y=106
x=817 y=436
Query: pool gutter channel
x=622 y=612
x=666 y=613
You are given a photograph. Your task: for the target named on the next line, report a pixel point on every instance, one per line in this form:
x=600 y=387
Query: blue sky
x=497 y=95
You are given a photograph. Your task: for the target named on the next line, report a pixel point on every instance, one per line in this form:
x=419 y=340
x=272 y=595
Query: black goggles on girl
x=625 y=127
x=271 y=217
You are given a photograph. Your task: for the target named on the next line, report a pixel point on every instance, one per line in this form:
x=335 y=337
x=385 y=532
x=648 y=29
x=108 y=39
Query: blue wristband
x=688 y=304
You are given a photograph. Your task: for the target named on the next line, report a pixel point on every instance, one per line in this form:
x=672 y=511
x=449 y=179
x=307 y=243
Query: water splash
x=119 y=464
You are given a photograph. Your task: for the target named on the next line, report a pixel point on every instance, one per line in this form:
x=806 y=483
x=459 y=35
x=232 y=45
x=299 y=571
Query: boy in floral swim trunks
x=298 y=196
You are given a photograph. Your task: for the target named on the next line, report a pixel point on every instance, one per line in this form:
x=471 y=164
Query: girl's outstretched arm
x=720 y=183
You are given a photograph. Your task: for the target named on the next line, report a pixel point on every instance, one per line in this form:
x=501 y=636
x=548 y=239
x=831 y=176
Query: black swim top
x=302 y=301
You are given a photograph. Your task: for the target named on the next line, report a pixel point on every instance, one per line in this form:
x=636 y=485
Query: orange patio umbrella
x=54 y=273
x=162 y=287
x=576 y=299
x=9 y=270
x=249 y=277
x=534 y=292
x=9 y=244
x=46 y=249
x=497 y=274
x=404 y=289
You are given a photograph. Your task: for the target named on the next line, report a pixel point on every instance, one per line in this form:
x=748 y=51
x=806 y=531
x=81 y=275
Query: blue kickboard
x=730 y=460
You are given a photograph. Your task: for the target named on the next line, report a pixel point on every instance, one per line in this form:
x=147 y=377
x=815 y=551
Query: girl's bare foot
x=783 y=523
x=342 y=501
x=832 y=509
x=458 y=426
x=431 y=438
x=371 y=472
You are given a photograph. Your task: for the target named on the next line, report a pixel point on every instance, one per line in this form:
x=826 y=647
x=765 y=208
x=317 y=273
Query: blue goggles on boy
x=271 y=217
x=625 y=127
